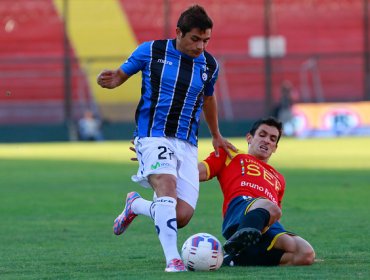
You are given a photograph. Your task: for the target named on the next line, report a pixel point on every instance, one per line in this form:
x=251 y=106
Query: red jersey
x=245 y=175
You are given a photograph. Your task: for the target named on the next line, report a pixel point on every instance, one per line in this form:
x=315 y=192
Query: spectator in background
x=89 y=127
x=284 y=109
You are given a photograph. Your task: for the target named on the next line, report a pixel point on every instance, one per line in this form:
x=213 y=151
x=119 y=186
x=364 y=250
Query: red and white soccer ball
x=202 y=252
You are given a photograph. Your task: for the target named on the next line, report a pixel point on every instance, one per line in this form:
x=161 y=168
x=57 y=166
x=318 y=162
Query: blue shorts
x=235 y=212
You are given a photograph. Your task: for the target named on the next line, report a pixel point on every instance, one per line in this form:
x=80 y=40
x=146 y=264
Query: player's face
x=264 y=142
x=194 y=42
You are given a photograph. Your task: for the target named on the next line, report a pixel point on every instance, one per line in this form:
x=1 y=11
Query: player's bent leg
x=166 y=226
x=187 y=190
x=249 y=231
x=165 y=219
x=297 y=250
x=272 y=208
x=242 y=239
x=184 y=213
x=255 y=255
x=122 y=222
x=305 y=254
x=163 y=184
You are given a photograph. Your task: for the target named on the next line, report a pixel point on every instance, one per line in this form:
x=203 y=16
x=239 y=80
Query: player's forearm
x=202 y=172
x=211 y=115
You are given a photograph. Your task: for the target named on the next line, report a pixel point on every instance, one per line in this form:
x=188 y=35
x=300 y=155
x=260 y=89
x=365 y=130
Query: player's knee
x=163 y=184
x=275 y=212
x=309 y=257
x=305 y=257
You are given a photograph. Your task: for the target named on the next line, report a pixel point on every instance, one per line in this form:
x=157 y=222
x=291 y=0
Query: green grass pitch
x=58 y=202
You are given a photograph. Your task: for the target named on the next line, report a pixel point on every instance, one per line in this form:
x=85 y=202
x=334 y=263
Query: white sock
x=141 y=206
x=166 y=226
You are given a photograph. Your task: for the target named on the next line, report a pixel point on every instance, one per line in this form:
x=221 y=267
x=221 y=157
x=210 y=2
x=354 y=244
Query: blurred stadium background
x=52 y=50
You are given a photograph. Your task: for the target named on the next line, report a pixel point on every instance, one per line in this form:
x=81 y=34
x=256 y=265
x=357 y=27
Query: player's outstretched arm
x=111 y=78
x=210 y=115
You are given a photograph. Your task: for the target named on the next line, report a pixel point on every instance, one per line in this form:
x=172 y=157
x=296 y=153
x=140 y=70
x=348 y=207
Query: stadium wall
x=111 y=131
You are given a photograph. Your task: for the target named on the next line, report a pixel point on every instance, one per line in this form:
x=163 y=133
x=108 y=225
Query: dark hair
x=194 y=17
x=270 y=121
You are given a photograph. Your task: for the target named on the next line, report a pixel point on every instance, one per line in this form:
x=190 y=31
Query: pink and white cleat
x=175 y=265
x=122 y=222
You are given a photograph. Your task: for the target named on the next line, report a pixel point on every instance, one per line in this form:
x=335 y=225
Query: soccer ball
x=202 y=252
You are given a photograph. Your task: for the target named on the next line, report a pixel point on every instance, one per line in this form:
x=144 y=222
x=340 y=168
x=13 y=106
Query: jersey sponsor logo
x=266 y=192
x=163 y=61
x=155 y=166
x=158 y=165
x=253 y=168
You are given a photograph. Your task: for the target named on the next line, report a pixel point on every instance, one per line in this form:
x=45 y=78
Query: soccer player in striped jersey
x=178 y=79
x=253 y=191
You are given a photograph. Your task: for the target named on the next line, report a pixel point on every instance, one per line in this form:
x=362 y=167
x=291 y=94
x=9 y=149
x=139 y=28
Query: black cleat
x=228 y=260
x=241 y=239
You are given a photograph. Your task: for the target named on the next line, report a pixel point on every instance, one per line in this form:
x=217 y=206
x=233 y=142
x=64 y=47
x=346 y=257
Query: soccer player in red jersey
x=253 y=191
